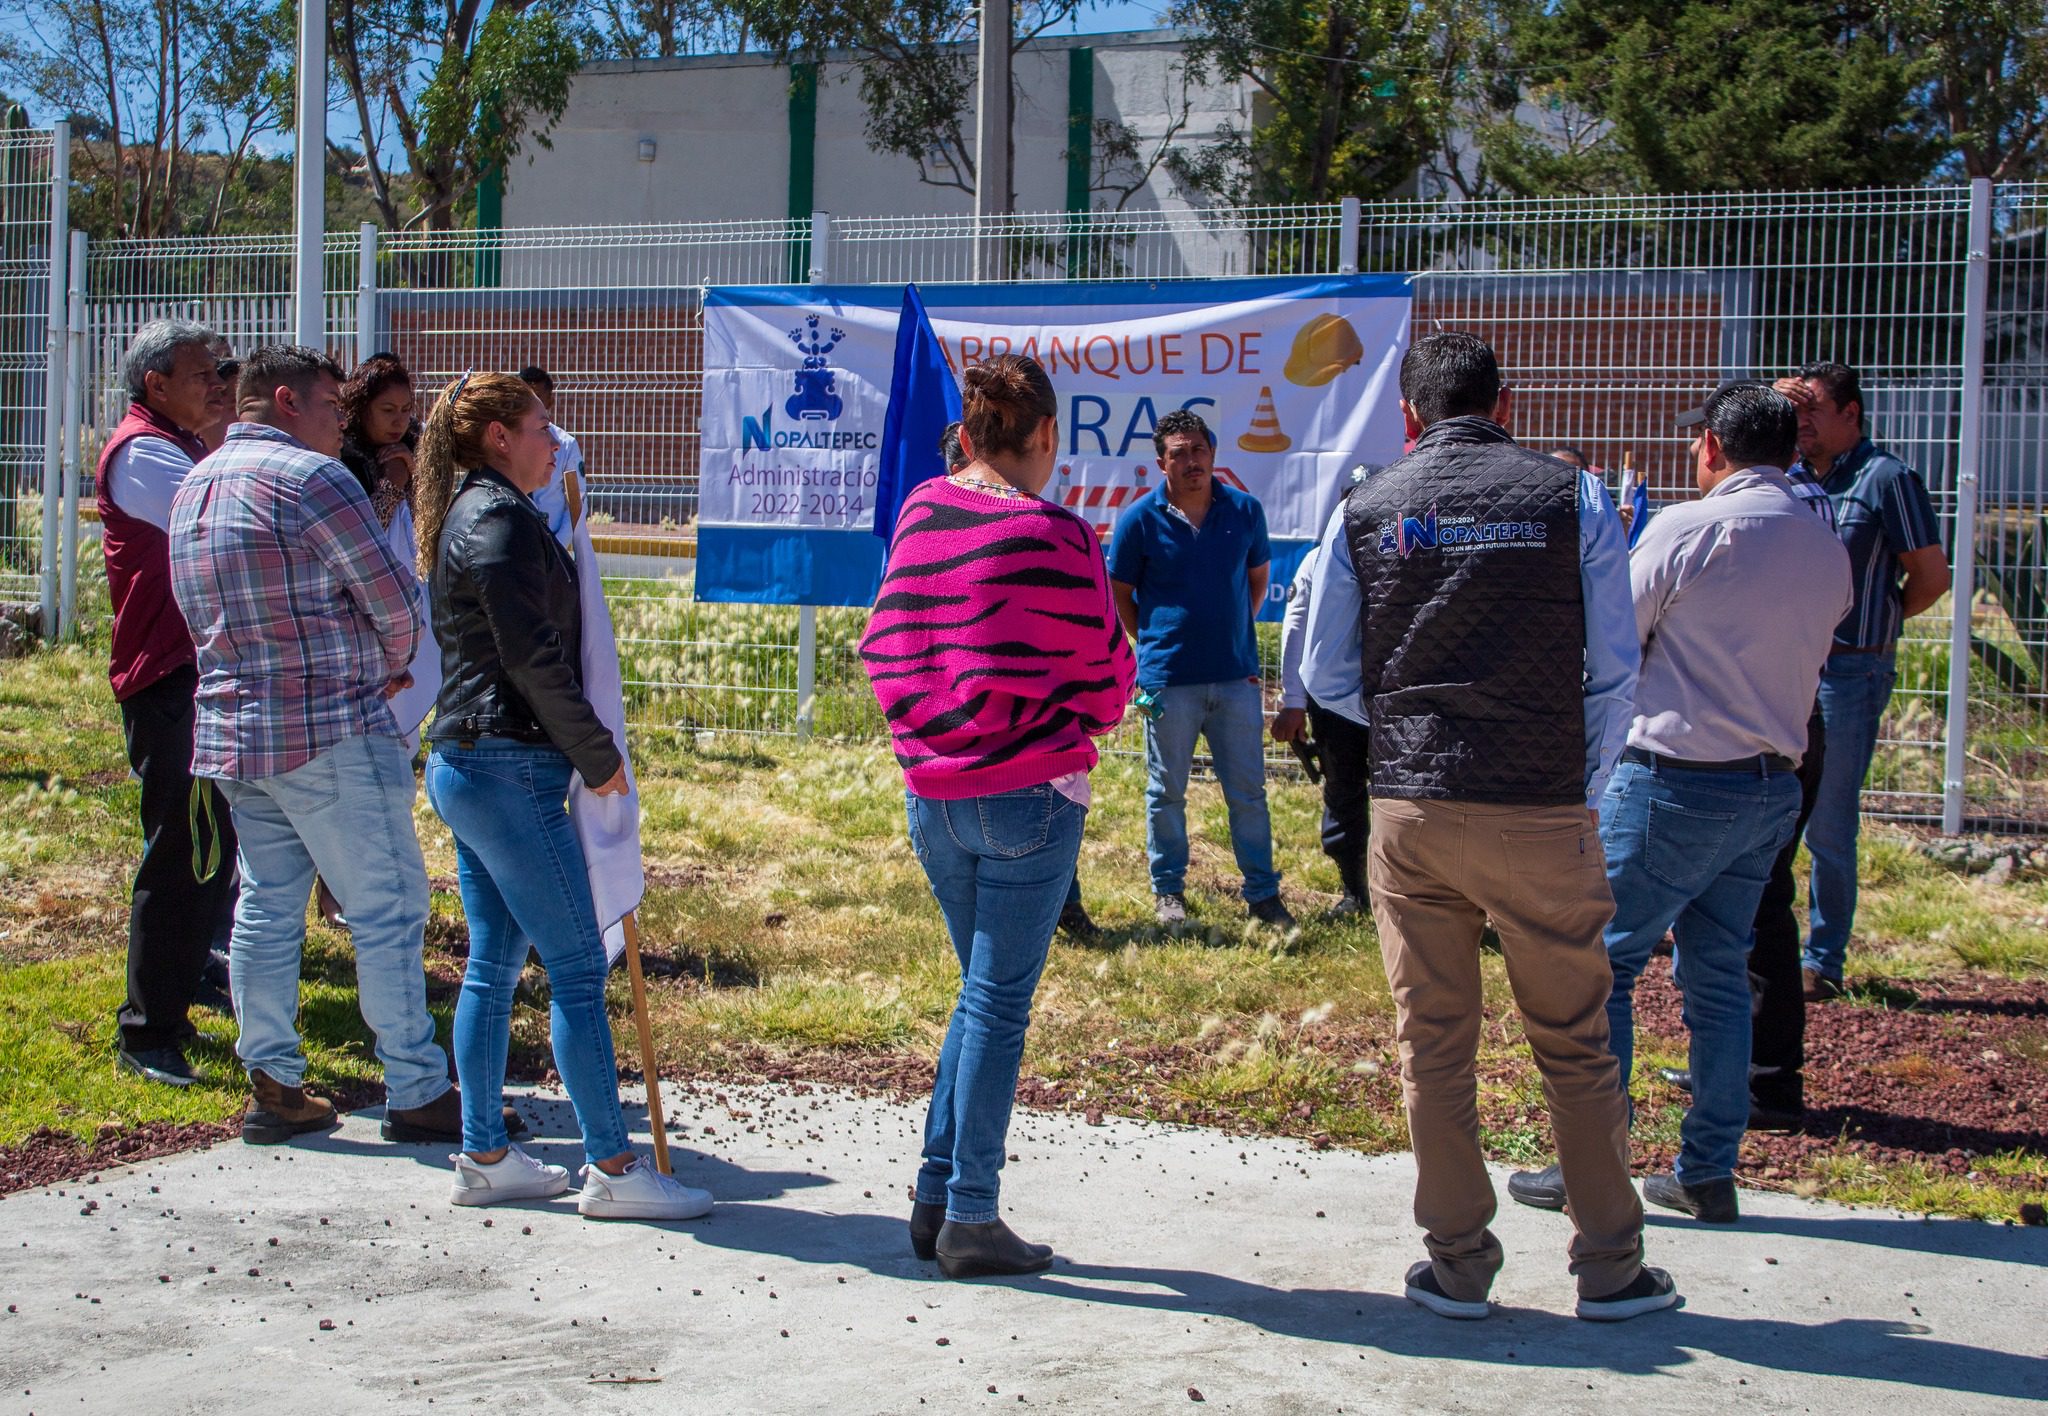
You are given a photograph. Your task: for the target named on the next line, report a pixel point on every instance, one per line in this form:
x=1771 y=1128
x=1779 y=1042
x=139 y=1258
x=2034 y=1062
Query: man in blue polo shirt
x=1899 y=569
x=1188 y=568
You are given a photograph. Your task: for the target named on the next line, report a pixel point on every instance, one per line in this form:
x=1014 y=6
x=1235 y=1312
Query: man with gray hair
x=184 y=892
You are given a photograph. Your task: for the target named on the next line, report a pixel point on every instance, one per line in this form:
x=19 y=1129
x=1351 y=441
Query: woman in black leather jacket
x=510 y=729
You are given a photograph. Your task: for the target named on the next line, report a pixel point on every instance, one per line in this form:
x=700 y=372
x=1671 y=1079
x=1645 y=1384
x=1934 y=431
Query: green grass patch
x=788 y=913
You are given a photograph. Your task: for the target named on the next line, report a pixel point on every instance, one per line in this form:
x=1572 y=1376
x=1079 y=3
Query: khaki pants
x=1438 y=871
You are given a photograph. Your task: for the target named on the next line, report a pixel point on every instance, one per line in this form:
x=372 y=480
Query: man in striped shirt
x=1884 y=517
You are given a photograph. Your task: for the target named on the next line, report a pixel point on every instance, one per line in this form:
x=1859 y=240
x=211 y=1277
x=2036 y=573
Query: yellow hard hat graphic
x=1323 y=348
x=1265 y=433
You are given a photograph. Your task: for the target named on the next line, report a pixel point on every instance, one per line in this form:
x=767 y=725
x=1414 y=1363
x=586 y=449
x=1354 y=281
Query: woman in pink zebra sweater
x=997 y=658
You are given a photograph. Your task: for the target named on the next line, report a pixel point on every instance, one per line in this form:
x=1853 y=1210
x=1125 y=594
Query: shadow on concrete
x=1951 y=1238
x=555 y=1140
x=880 y=1244
x=1872 y=1349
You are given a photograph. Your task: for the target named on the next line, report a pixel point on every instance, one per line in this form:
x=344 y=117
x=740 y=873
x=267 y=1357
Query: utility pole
x=309 y=179
x=992 y=139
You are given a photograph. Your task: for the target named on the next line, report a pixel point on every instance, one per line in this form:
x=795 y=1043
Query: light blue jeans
x=1000 y=866
x=347 y=815
x=1691 y=851
x=1854 y=689
x=524 y=882
x=1231 y=715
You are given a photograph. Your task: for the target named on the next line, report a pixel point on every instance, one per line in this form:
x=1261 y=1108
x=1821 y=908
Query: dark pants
x=174 y=919
x=1346 y=776
x=1778 y=1006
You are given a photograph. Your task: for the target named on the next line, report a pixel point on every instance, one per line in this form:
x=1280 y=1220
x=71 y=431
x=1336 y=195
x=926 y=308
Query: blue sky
x=343 y=129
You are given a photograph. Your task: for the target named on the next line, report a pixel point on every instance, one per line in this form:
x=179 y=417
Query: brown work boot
x=277 y=1112
x=1817 y=987
x=439 y=1122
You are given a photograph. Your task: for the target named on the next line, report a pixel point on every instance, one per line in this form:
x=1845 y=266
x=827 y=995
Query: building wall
x=721 y=132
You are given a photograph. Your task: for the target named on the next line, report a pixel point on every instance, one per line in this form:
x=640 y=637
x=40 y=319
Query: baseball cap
x=1693 y=417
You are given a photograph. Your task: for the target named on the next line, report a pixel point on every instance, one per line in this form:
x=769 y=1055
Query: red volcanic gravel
x=1941 y=1072
x=48 y=1157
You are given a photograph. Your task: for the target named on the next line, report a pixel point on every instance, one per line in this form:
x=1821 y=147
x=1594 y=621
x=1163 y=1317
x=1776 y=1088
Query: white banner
x=1296 y=378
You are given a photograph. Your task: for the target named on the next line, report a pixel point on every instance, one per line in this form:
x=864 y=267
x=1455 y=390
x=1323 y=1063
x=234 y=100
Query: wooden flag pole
x=648 y=1069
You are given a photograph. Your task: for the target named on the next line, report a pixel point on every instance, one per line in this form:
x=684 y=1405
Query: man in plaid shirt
x=304 y=625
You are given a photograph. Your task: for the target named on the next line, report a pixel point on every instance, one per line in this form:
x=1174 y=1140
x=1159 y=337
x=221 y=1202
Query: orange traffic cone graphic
x=1265 y=433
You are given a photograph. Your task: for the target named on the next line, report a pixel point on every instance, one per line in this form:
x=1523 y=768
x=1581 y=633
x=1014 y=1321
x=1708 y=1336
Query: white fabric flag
x=608 y=827
x=411 y=705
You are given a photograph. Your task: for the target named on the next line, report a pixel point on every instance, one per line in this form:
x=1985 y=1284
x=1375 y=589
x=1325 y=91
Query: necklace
x=994 y=489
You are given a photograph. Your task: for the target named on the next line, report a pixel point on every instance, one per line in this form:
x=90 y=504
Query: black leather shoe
x=1075 y=923
x=984 y=1250
x=215 y=987
x=1539 y=1189
x=1761 y=1117
x=166 y=1065
x=925 y=1223
x=1710 y=1203
x=1349 y=907
x=1271 y=911
x=1772 y=1118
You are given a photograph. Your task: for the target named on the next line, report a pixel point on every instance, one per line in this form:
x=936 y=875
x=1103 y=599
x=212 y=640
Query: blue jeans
x=1000 y=866
x=1692 y=851
x=524 y=882
x=1854 y=689
x=1231 y=715
x=347 y=814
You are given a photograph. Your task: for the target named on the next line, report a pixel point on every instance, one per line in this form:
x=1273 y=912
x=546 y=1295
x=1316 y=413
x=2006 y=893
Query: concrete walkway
x=1246 y=1275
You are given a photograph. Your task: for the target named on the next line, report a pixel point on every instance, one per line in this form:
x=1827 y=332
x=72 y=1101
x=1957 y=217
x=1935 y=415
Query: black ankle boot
x=980 y=1250
x=925 y=1223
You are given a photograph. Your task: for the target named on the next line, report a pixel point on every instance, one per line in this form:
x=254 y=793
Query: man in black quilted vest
x=1472 y=610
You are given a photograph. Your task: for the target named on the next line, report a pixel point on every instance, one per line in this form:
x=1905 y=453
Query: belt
x=1758 y=765
x=1860 y=649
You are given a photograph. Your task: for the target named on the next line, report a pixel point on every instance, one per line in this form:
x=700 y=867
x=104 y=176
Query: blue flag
x=923 y=399
x=1639 y=496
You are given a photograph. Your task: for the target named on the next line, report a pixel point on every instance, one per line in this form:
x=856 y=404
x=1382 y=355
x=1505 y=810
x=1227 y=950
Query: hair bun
x=1003 y=379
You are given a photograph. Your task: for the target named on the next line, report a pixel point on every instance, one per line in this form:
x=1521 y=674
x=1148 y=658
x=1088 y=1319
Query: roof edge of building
x=1118 y=39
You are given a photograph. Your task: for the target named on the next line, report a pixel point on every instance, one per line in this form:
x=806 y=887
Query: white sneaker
x=514 y=1176
x=641 y=1193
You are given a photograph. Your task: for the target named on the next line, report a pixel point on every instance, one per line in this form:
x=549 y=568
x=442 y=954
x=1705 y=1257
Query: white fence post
x=1347 y=237
x=366 y=291
x=807 y=615
x=1969 y=457
x=821 y=234
x=55 y=356
x=74 y=438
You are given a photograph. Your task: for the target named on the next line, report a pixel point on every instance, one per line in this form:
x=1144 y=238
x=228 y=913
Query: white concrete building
x=739 y=137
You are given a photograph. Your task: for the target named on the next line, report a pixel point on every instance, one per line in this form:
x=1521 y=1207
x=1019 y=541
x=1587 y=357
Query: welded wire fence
x=1610 y=315
x=25 y=192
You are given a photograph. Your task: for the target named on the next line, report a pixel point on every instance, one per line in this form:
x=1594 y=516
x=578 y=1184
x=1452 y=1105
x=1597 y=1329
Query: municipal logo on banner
x=1296 y=378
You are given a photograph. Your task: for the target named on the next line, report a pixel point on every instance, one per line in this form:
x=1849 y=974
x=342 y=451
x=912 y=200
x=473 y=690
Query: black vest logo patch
x=1409 y=534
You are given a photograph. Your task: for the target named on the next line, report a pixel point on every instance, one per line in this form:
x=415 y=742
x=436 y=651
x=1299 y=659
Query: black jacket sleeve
x=505 y=554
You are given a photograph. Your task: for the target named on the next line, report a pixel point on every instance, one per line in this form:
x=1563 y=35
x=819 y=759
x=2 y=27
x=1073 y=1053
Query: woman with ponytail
x=511 y=727
x=995 y=652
